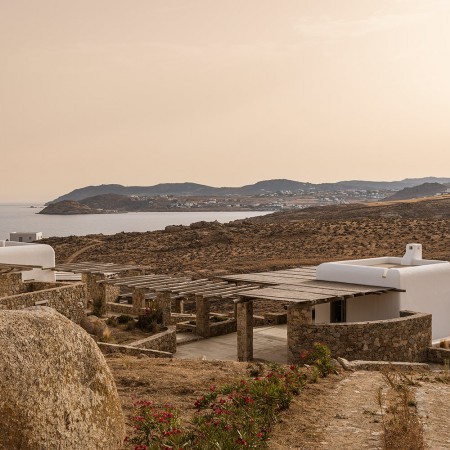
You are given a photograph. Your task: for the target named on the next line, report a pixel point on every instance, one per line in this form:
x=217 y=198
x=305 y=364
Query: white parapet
x=22 y=253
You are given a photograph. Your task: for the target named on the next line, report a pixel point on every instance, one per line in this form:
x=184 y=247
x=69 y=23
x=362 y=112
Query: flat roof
x=300 y=285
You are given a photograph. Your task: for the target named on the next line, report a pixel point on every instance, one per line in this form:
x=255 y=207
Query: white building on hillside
x=423 y=286
x=31 y=236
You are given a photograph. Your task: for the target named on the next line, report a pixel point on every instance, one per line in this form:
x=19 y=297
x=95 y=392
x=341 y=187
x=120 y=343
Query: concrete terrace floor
x=269 y=344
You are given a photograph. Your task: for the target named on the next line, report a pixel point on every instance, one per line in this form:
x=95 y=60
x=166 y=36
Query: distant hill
x=67 y=207
x=421 y=191
x=261 y=187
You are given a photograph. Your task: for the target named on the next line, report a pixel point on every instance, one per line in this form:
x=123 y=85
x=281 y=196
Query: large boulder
x=56 y=391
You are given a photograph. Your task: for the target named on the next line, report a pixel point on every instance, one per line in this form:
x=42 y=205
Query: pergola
x=93 y=272
x=299 y=289
x=159 y=290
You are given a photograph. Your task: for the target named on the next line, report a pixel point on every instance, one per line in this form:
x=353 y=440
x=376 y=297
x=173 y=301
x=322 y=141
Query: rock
x=56 y=389
x=96 y=326
x=346 y=365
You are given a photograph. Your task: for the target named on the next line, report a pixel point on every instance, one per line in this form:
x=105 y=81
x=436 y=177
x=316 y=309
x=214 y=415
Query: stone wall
x=165 y=341
x=110 y=349
x=438 y=355
x=406 y=338
x=11 y=284
x=67 y=299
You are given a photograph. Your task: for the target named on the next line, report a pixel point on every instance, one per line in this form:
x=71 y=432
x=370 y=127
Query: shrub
x=149 y=321
x=124 y=318
x=157 y=427
x=228 y=417
x=320 y=357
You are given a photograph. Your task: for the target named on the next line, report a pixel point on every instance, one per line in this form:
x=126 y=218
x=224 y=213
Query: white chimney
x=412 y=255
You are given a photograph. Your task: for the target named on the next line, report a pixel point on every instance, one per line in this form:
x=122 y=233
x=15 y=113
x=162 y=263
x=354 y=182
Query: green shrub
x=320 y=357
x=230 y=416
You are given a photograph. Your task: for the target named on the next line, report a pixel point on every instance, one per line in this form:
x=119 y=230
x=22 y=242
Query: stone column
x=298 y=315
x=163 y=304
x=110 y=293
x=138 y=300
x=202 y=315
x=244 y=330
x=95 y=292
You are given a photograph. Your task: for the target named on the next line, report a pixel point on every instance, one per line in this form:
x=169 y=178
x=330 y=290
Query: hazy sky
x=220 y=92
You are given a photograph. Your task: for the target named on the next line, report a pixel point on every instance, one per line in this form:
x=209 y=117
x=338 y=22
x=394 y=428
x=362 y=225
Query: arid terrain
x=275 y=241
x=341 y=410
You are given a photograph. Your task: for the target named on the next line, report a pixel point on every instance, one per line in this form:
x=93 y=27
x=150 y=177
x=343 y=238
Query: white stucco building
x=25 y=236
x=423 y=286
x=21 y=253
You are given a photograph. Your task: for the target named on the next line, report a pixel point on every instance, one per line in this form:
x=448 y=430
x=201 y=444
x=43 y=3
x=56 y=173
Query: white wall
x=428 y=290
x=322 y=313
x=373 y=307
x=30 y=254
x=365 y=308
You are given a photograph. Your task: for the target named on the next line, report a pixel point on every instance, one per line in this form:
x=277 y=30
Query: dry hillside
x=279 y=240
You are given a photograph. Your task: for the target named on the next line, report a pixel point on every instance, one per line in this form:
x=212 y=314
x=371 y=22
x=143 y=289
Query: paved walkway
x=269 y=343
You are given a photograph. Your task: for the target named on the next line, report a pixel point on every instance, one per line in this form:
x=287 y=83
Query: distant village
x=272 y=201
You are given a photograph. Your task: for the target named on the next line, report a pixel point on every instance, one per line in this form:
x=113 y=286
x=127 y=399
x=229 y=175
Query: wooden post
x=244 y=330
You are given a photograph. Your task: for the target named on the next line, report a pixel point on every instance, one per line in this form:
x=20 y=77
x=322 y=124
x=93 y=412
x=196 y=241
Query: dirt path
x=433 y=404
x=340 y=413
x=75 y=255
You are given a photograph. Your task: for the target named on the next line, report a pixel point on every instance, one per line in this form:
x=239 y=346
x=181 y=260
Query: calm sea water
x=23 y=218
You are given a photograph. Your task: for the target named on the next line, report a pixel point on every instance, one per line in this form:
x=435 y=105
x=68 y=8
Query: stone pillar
x=11 y=284
x=163 y=304
x=110 y=293
x=138 y=300
x=245 y=330
x=202 y=315
x=95 y=292
x=298 y=315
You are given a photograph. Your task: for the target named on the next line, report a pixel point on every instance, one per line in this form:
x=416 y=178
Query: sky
x=223 y=93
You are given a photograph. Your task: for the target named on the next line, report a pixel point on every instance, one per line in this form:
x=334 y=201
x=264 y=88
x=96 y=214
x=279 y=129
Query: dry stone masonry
x=406 y=338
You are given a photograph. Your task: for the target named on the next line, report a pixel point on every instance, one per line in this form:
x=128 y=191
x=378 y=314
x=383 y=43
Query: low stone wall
x=68 y=299
x=110 y=349
x=438 y=355
x=121 y=308
x=165 y=341
x=406 y=338
x=221 y=328
x=214 y=328
x=178 y=318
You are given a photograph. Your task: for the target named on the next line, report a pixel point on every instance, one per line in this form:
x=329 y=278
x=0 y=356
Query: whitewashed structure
x=425 y=285
x=40 y=255
x=22 y=236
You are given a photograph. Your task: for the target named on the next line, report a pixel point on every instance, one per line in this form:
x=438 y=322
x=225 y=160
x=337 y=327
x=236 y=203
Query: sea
x=24 y=218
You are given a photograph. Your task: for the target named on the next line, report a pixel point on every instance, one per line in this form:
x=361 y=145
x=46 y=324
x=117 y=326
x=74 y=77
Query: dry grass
x=402 y=427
